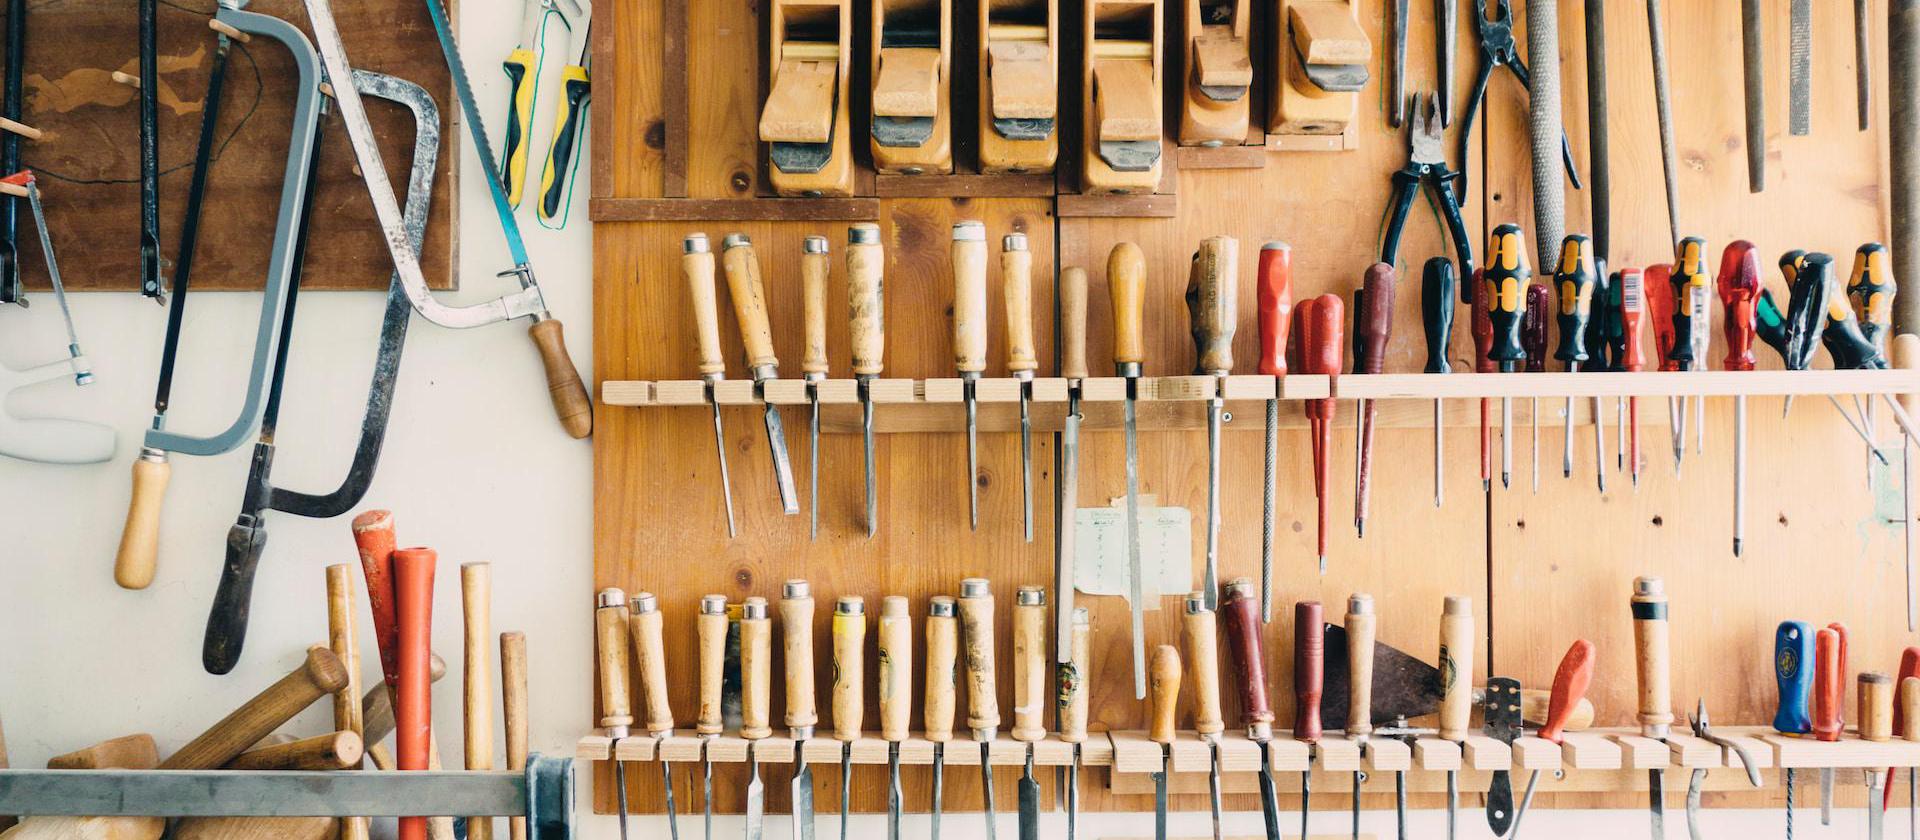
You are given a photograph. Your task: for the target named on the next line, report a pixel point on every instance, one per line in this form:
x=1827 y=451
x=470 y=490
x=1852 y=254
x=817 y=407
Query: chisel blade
x=939 y=785
x=1800 y=67
x=1029 y=802
x=1026 y=455
x=1136 y=595
x=726 y=484
x=756 y=811
x=802 y=792
x=1160 y=803
x=666 y=784
x=1069 y=502
x=986 y=789
x=1210 y=585
x=1269 y=799
x=813 y=464
x=620 y=791
x=866 y=435
x=782 y=465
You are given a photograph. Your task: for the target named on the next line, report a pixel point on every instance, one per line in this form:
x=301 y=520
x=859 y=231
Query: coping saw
x=52 y=440
x=247 y=539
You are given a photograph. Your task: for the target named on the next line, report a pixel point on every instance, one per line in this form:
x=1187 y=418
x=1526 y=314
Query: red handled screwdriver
x=1373 y=323
x=1633 y=304
x=1320 y=330
x=1739 y=286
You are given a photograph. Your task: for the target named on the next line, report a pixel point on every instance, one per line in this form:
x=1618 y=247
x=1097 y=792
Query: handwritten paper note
x=1166 y=550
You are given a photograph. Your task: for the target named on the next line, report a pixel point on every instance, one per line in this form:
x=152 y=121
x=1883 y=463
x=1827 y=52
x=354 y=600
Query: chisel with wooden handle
x=813 y=361
x=866 y=263
x=1456 y=686
x=696 y=264
x=1203 y=650
x=796 y=628
x=711 y=630
x=1361 y=630
x=1127 y=290
x=513 y=711
x=849 y=687
x=969 y=254
x=1212 y=311
x=750 y=310
x=937 y=713
x=1071 y=714
x=1161 y=707
x=1073 y=367
x=1029 y=695
x=1016 y=276
x=1652 y=667
x=983 y=703
x=646 y=631
x=476 y=597
x=1249 y=665
x=756 y=677
x=896 y=696
x=612 y=643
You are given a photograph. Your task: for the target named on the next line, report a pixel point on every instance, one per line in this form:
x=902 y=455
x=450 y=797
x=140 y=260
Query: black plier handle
x=1406 y=183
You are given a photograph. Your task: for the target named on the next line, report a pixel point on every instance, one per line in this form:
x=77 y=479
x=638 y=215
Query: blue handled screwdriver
x=1793 y=670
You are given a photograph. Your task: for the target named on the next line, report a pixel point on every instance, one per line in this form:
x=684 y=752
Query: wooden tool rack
x=679 y=86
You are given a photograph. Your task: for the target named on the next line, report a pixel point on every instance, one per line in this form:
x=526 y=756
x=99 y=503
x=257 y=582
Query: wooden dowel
x=476 y=597
x=340 y=750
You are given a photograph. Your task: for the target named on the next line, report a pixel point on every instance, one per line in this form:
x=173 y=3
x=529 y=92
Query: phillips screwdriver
x=1661 y=310
x=1793 y=660
x=1845 y=339
x=1203 y=650
x=1436 y=315
x=1739 y=285
x=1506 y=275
x=1320 y=326
x=1127 y=289
x=1631 y=358
x=983 y=704
x=1249 y=660
x=1533 y=339
x=866 y=263
x=1275 y=301
x=1212 y=292
x=896 y=696
x=1071 y=714
x=796 y=630
x=938 y=711
x=1574 y=280
x=1160 y=727
x=813 y=361
x=1073 y=367
x=970 y=340
x=1372 y=325
x=1016 y=275
x=1029 y=689
x=696 y=263
x=750 y=309
x=1309 y=677
x=1480 y=324
x=1693 y=301
x=849 y=688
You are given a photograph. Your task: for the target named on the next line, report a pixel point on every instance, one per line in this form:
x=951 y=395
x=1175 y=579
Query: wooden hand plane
x=1121 y=87
x=804 y=121
x=1320 y=67
x=912 y=116
x=1218 y=73
x=1019 y=85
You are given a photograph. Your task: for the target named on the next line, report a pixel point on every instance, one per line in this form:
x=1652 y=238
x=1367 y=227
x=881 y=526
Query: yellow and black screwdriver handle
x=1692 y=301
x=1506 y=277
x=1574 y=281
x=575 y=86
x=1871 y=291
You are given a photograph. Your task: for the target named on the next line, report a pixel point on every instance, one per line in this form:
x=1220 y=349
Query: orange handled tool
x=1274 y=301
x=413 y=701
x=1322 y=344
x=373 y=535
x=1570 y=684
x=1740 y=293
x=1827 y=685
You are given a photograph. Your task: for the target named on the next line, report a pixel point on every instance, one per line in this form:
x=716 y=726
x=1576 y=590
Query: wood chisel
x=1073 y=367
x=696 y=264
x=1372 y=325
x=1793 y=660
x=616 y=710
x=983 y=703
x=813 y=360
x=1309 y=679
x=650 y=654
x=1456 y=686
x=750 y=309
x=711 y=629
x=1250 y=669
x=1753 y=58
x=1875 y=694
x=866 y=264
x=412 y=697
x=476 y=596
x=937 y=712
x=849 y=688
x=1533 y=340
x=1160 y=718
x=1029 y=693
x=756 y=686
x=1274 y=299
x=1574 y=278
x=896 y=696
x=1321 y=325
x=1203 y=650
x=1212 y=311
x=1800 y=67
x=1071 y=696
x=796 y=647
x=969 y=252
x=1570 y=682
x=1506 y=277
x=1360 y=629
x=1016 y=277
x=1436 y=317
x=1739 y=286
x=1126 y=289
x=1652 y=667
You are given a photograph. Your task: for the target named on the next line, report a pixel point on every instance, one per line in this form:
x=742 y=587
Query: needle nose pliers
x=1497 y=49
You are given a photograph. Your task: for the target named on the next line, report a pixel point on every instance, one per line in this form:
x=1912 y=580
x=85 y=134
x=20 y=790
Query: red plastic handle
x=1309 y=662
x=373 y=534
x=413 y=700
x=1657 y=280
x=1482 y=327
x=1739 y=285
x=1376 y=324
x=1569 y=687
x=1633 y=318
x=1275 y=302
x=1828 y=690
x=1909 y=667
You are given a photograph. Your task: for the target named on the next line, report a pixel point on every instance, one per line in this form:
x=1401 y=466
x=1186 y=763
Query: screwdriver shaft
x=1026 y=454
x=1566 y=438
x=1439 y=457
x=1599 y=445
x=1906 y=517
x=1739 y=473
x=1267 y=501
x=1506 y=442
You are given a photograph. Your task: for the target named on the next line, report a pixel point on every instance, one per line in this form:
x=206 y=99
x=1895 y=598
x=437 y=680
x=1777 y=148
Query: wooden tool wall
x=1543 y=569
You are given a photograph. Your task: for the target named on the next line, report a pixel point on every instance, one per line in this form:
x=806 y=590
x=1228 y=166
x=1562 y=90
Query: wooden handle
x=1072 y=680
x=1456 y=667
x=1212 y=304
x=942 y=647
x=1274 y=297
x=749 y=302
x=1203 y=656
x=374 y=538
x=343 y=641
x=977 y=656
x=1360 y=636
x=378 y=706
x=866 y=308
x=1249 y=658
x=1876 y=706
x=1030 y=664
x=1073 y=323
x=969 y=297
x=711 y=627
x=127 y=752
x=570 y=402
x=134 y=563
x=340 y=750
x=896 y=668
x=413 y=570
x=813 y=305
x=696 y=264
x=1904 y=352
x=645 y=626
x=610 y=643
x=1570 y=683
x=320 y=674
x=1828 y=689
x=1127 y=288
x=1651 y=656
x=1163 y=693
x=1309 y=669
x=849 y=666
x=513 y=711
x=1910 y=707
x=796 y=630
x=476 y=612
x=756 y=669
x=1016 y=279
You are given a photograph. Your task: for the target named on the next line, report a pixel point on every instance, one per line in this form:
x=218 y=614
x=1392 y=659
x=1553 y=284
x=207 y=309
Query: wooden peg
x=513 y=711
x=1030 y=664
x=1019 y=85
x=227 y=29
x=896 y=667
x=942 y=649
x=1456 y=667
x=711 y=627
x=912 y=132
x=645 y=625
x=610 y=634
x=15 y=190
x=476 y=612
x=805 y=118
x=1321 y=65
x=19 y=128
x=1876 y=706
x=1218 y=75
x=756 y=669
x=796 y=646
x=1073 y=323
x=849 y=667
x=127 y=79
x=1203 y=654
x=1163 y=679
x=1120 y=84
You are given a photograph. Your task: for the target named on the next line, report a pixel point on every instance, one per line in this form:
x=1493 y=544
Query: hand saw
x=134 y=564
x=52 y=440
x=247 y=539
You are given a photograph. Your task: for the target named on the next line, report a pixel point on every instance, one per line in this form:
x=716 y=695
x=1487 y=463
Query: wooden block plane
x=1320 y=68
x=804 y=121
x=1121 y=88
x=1218 y=73
x=912 y=129
x=1019 y=85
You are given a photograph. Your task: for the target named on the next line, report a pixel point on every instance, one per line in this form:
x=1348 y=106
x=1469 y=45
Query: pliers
x=522 y=67
x=1426 y=163
x=1701 y=730
x=1497 y=49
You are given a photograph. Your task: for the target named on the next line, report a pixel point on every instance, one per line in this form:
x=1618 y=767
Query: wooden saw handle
x=569 y=394
x=896 y=667
x=137 y=557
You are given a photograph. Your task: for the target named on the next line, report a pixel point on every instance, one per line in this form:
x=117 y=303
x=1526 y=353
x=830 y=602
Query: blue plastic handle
x=1793 y=668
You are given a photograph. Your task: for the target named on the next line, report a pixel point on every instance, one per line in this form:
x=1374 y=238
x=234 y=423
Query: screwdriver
x=1791 y=333
x=970 y=340
x=1480 y=323
x=866 y=262
x=1248 y=659
x=1570 y=682
x=1574 y=280
x=1793 y=672
x=813 y=362
x=1661 y=309
x=1533 y=339
x=1631 y=358
x=1073 y=367
x=1506 y=273
x=1871 y=289
x=1372 y=325
x=1016 y=274
x=1212 y=312
x=1319 y=328
x=1829 y=663
x=1693 y=314
x=1127 y=288
x=1845 y=339
x=1309 y=675
x=1436 y=315
x=750 y=309
x=1274 y=299
x=696 y=263
x=1739 y=285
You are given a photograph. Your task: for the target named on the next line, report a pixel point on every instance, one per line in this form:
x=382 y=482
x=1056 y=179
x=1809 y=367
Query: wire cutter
x=1426 y=163
x=1497 y=49
x=522 y=67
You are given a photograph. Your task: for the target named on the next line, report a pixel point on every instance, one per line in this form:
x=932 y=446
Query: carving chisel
x=649 y=652
x=750 y=309
x=1250 y=668
x=1753 y=66
x=1436 y=317
x=1127 y=288
x=1274 y=299
x=1372 y=324
x=1071 y=694
x=896 y=696
x=1029 y=692
x=866 y=264
x=983 y=704
x=756 y=674
x=1739 y=293
x=1533 y=340
x=1800 y=67
x=1016 y=277
x=711 y=627
x=1309 y=678
x=1574 y=279
x=937 y=712
x=1203 y=650
x=1570 y=682
x=1212 y=311
x=1506 y=278
x=1360 y=636
x=1456 y=687
x=610 y=634
x=1073 y=366
x=696 y=263
x=1160 y=711
x=813 y=362
x=849 y=688
x=1651 y=666
x=1793 y=674
x=970 y=340
x=1321 y=327
x=796 y=630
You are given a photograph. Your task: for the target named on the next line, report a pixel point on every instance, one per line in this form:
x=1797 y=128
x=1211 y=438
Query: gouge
x=1456 y=680
x=1073 y=366
x=813 y=361
x=616 y=709
x=1651 y=666
x=1309 y=678
x=1071 y=695
x=896 y=696
x=750 y=309
x=711 y=629
x=849 y=687
x=1029 y=692
x=1127 y=288
x=1250 y=668
x=1274 y=299
x=476 y=612
x=983 y=708
x=1212 y=310
x=1016 y=276
x=644 y=624
x=696 y=264
x=1203 y=650
x=970 y=340
x=1160 y=716
x=756 y=656
x=866 y=263
x=796 y=632
x=937 y=713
